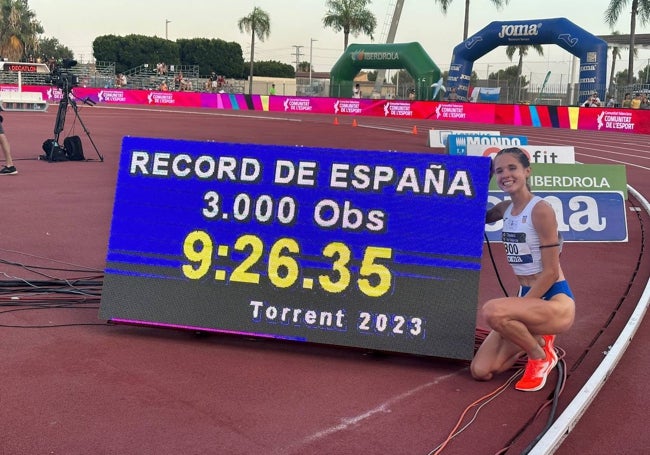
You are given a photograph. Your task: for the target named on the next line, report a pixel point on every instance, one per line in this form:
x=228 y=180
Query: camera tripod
x=59 y=123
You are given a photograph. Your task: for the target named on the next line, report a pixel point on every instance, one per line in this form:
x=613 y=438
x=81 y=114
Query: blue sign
x=457 y=143
x=582 y=216
x=369 y=249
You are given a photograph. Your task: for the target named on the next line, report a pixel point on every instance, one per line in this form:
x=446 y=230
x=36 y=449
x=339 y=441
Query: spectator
x=627 y=100
x=412 y=94
x=179 y=81
x=213 y=82
x=636 y=101
x=645 y=104
x=163 y=87
x=611 y=102
x=356 y=93
x=453 y=96
x=592 y=101
x=120 y=80
x=272 y=90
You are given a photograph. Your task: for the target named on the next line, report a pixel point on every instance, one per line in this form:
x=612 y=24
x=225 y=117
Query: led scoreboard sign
x=378 y=250
x=18 y=67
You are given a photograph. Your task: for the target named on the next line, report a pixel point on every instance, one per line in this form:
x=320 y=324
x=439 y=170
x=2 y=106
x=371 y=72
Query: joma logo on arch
x=519 y=30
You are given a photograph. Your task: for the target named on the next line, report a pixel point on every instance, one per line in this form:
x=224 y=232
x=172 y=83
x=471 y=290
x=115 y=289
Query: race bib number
x=517 y=250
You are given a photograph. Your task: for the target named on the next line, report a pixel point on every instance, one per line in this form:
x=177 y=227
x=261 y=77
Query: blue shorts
x=559 y=287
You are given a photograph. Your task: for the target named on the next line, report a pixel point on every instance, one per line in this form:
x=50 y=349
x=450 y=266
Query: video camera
x=61 y=77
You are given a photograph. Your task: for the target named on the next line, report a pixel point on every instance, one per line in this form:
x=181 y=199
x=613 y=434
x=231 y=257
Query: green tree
x=134 y=50
x=473 y=78
x=616 y=54
x=403 y=77
x=350 y=16
x=444 y=5
x=510 y=76
x=50 y=47
x=19 y=30
x=258 y=24
x=522 y=51
x=644 y=75
x=623 y=79
x=273 y=68
x=640 y=10
x=209 y=55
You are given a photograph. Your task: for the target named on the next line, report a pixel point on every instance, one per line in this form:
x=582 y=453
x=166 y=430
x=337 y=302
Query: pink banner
x=620 y=120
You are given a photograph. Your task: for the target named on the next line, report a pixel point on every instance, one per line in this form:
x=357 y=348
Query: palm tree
x=444 y=5
x=523 y=51
x=616 y=54
x=19 y=30
x=351 y=16
x=640 y=9
x=257 y=23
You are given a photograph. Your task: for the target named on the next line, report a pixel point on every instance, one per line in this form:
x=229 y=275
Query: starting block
x=23 y=101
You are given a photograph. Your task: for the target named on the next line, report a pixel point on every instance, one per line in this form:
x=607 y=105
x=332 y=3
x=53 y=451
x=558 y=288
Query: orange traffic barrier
x=354 y=122
x=415 y=129
x=336 y=120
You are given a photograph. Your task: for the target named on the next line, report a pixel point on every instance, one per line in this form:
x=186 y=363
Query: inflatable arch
x=591 y=50
x=408 y=56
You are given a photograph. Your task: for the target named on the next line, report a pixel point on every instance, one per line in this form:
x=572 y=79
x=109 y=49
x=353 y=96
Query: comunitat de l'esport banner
x=379 y=250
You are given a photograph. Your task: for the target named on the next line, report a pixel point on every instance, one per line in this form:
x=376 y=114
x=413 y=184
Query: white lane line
x=215 y=113
x=347 y=422
x=615 y=161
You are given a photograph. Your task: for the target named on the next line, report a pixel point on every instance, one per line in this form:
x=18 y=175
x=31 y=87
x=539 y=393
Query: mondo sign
x=365 y=249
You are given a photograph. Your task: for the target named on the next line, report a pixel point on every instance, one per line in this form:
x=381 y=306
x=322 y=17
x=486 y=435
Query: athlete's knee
x=480 y=375
x=479 y=371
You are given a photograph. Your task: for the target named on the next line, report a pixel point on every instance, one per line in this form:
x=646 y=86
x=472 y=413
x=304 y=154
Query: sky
x=296 y=27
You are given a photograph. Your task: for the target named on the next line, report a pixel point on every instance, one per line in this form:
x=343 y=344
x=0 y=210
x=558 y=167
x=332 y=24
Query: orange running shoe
x=537 y=370
x=549 y=346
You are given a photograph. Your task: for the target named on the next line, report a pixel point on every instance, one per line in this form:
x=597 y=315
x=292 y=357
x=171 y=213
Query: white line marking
x=347 y=422
x=615 y=161
x=212 y=113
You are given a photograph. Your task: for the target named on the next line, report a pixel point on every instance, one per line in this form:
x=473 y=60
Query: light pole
x=167 y=21
x=311 y=47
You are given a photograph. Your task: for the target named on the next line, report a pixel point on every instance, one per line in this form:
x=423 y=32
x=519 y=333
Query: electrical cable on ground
x=481 y=402
x=19 y=294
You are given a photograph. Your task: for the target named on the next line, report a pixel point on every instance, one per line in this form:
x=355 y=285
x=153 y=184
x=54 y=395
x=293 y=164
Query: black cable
x=53 y=326
x=559 y=386
x=494 y=265
x=82 y=292
x=551 y=418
